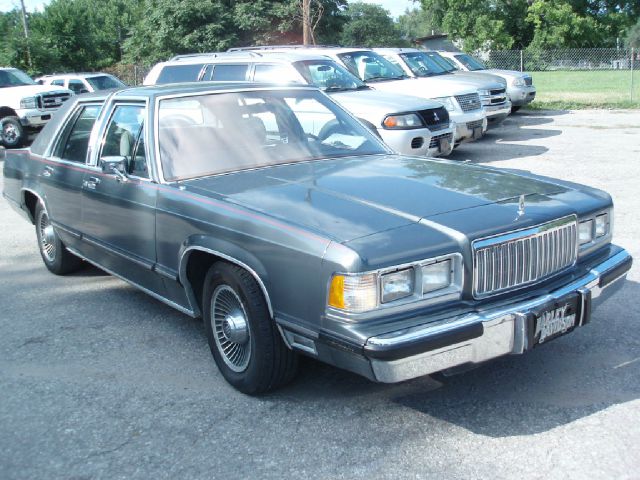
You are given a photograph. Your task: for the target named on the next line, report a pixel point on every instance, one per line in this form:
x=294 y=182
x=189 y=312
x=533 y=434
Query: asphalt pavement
x=100 y=381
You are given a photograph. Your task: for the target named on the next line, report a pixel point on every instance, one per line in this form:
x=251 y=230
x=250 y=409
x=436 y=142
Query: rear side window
x=270 y=73
x=180 y=73
x=60 y=83
x=77 y=86
x=74 y=140
x=231 y=73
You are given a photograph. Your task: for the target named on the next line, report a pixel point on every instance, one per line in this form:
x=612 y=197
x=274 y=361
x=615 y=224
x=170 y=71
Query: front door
x=118 y=210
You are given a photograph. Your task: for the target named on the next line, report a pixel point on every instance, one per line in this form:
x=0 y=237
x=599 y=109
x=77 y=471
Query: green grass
x=585 y=89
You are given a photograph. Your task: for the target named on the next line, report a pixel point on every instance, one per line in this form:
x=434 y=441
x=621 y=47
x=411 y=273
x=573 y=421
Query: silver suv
x=459 y=98
x=409 y=125
x=519 y=84
x=420 y=64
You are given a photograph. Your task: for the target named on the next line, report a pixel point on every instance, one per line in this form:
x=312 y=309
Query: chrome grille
x=469 y=102
x=495 y=97
x=52 y=100
x=520 y=258
x=474 y=124
x=435 y=118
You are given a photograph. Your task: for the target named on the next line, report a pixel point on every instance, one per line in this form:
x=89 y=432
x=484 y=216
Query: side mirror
x=116 y=165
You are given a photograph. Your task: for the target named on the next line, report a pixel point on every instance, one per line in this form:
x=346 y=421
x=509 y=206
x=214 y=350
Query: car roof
x=246 y=55
x=79 y=74
x=396 y=50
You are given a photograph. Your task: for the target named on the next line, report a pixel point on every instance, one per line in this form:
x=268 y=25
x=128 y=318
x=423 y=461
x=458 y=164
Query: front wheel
x=54 y=254
x=13 y=133
x=515 y=109
x=243 y=339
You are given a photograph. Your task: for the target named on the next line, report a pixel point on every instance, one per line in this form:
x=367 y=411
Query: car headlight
x=436 y=279
x=405 y=121
x=518 y=82
x=448 y=102
x=593 y=231
x=436 y=276
x=397 y=285
x=29 y=102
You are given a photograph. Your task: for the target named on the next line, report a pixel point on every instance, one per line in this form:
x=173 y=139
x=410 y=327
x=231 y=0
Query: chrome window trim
x=528 y=232
x=55 y=137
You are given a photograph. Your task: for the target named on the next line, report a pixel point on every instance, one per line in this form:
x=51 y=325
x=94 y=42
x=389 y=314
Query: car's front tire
x=515 y=109
x=243 y=338
x=13 y=134
x=54 y=254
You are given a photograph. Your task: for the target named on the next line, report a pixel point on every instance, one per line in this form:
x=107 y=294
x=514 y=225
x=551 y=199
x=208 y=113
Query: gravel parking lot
x=98 y=380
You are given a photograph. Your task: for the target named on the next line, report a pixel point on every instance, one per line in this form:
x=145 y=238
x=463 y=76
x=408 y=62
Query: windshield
x=328 y=75
x=216 y=133
x=470 y=62
x=440 y=60
x=14 y=78
x=105 y=82
x=422 y=65
x=369 y=66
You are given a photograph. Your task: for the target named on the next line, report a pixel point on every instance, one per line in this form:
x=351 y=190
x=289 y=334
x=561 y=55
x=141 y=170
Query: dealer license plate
x=556 y=321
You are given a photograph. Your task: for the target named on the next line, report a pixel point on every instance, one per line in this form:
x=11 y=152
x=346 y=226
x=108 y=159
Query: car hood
x=373 y=105
x=507 y=74
x=430 y=87
x=30 y=90
x=348 y=198
x=481 y=76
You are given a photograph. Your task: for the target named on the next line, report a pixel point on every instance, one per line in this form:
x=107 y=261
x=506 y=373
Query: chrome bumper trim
x=503 y=329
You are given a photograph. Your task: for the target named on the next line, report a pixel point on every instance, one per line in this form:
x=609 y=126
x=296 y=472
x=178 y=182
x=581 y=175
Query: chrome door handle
x=91 y=183
x=47 y=171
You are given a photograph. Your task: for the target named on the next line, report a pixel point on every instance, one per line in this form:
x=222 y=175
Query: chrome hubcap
x=47 y=237
x=9 y=132
x=230 y=328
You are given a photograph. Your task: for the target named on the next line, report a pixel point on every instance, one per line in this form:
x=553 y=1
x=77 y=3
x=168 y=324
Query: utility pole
x=306 y=22
x=26 y=33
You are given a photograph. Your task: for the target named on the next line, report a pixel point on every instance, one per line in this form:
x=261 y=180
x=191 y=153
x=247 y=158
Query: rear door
x=118 y=214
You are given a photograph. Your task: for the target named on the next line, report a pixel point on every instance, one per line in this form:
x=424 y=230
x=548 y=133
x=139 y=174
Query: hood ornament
x=520 y=207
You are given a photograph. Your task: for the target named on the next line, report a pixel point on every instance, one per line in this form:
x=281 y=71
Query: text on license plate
x=555 y=322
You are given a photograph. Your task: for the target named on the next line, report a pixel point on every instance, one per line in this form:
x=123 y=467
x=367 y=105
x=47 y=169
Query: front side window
x=328 y=75
x=470 y=62
x=74 y=139
x=123 y=138
x=271 y=73
x=77 y=86
x=218 y=133
x=369 y=66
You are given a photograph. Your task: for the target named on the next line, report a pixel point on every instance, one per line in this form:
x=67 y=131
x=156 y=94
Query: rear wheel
x=54 y=254
x=13 y=133
x=243 y=339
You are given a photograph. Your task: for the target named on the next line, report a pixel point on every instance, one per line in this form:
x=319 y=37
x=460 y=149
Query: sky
x=395 y=7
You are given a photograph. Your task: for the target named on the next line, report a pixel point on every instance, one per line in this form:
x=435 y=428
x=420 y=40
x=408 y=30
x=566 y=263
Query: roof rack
x=279 y=47
x=213 y=54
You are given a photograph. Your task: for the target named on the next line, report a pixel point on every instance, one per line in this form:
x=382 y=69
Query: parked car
x=409 y=125
x=459 y=98
x=417 y=64
x=226 y=202
x=519 y=85
x=82 y=82
x=25 y=106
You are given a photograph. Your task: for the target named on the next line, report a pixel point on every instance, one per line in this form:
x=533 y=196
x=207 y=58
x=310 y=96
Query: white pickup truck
x=25 y=106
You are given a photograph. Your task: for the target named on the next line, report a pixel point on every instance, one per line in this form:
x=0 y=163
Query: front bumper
x=497 y=113
x=421 y=141
x=520 y=96
x=33 y=118
x=486 y=334
x=468 y=124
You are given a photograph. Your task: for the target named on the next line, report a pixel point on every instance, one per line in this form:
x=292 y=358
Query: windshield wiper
x=380 y=78
x=338 y=89
x=363 y=87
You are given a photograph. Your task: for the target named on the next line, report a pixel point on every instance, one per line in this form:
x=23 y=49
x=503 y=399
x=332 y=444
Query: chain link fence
x=564 y=59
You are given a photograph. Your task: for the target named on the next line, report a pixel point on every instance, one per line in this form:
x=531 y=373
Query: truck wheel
x=13 y=133
x=515 y=109
x=243 y=338
x=54 y=254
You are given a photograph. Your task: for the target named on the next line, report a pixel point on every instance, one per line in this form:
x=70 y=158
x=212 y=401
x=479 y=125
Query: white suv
x=25 y=106
x=410 y=125
x=82 y=82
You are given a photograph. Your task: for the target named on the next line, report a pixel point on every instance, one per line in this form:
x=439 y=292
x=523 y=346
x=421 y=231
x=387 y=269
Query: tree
x=416 y=23
x=633 y=36
x=557 y=25
x=369 y=25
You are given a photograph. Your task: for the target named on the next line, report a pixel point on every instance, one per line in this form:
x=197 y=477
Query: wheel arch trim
x=24 y=205
x=184 y=280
